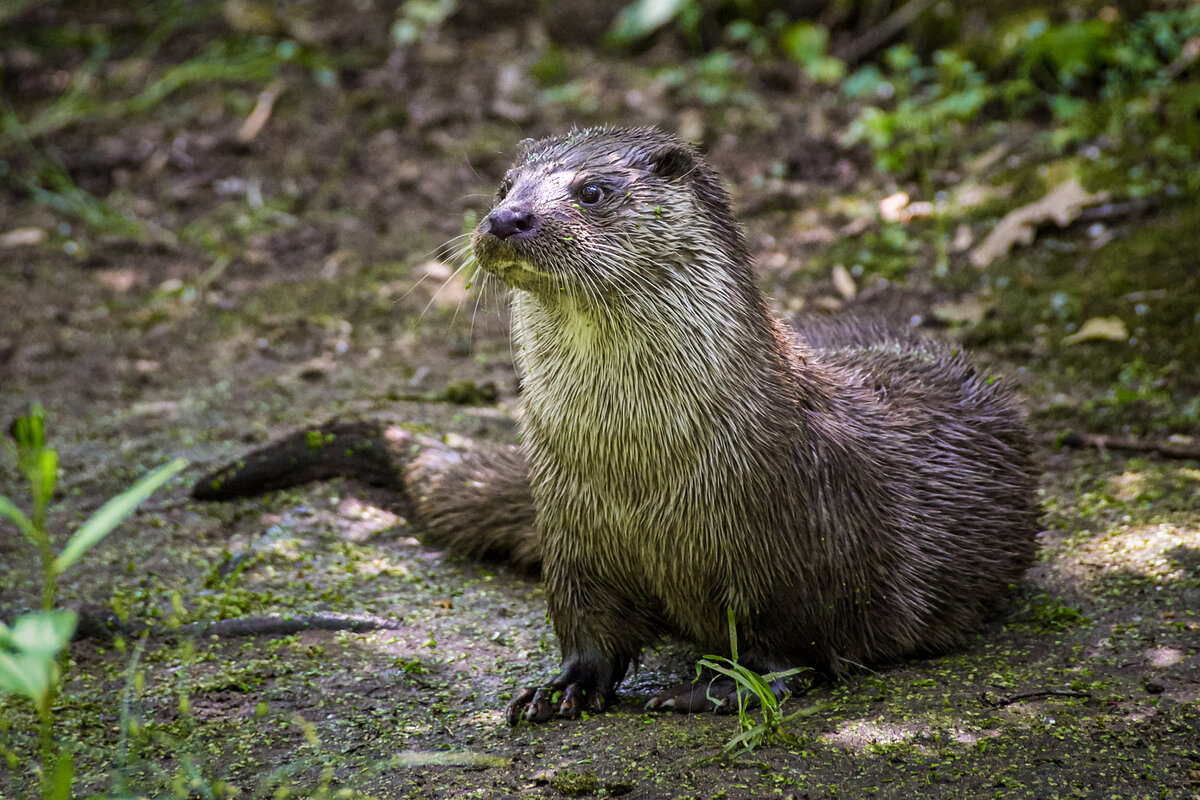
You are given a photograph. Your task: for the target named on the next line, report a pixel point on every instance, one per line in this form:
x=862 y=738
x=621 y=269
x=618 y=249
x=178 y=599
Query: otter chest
x=617 y=412
x=633 y=463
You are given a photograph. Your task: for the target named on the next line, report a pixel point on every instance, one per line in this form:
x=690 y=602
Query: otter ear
x=673 y=161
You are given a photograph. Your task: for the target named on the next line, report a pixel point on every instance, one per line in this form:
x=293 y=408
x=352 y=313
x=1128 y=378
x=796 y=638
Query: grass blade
x=25 y=674
x=43 y=633
x=17 y=517
x=111 y=513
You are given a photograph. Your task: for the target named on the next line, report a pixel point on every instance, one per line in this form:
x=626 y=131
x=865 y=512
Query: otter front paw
x=540 y=703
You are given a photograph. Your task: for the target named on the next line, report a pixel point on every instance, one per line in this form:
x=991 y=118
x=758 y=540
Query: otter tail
x=473 y=501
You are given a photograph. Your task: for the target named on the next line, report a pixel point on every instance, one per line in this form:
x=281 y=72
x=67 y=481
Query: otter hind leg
x=711 y=692
x=476 y=503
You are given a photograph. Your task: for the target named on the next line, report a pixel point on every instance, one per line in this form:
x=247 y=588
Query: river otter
x=852 y=494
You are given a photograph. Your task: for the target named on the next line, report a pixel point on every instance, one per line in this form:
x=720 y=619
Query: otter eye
x=590 y=193
x=502 y=191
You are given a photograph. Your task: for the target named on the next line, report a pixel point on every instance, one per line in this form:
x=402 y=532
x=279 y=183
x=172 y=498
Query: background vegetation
x=224 y=220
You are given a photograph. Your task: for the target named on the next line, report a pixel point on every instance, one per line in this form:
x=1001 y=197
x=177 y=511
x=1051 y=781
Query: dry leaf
x=436 y=270
x=920 y=208
x=988 y=159
x=254 y=123
x=119 y=279
x=969 y=309
x=1060 y=206
x=249 y=16
x=963 y=238
x=890 y=207
x=854 y=227
x=843 y=282
x=818 y=235
x=1110 y=329
x=22 y=237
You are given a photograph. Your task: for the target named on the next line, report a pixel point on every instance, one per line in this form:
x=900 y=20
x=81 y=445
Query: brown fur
x=855 y=496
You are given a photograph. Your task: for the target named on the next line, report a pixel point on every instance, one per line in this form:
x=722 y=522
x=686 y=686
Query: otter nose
x=505 y=223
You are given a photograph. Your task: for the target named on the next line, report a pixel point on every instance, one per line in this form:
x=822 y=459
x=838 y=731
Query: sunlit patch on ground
x=1157 y=553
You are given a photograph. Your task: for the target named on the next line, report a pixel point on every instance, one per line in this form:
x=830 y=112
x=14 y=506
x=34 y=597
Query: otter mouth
x=509 y=264
x=520 y=275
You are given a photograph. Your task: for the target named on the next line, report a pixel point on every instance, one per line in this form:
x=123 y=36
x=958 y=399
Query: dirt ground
x=304 y=270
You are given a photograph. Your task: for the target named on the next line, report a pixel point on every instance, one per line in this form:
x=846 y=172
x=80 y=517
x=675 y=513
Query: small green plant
x=39 y=464
x=1126 y=82
x=33 y=651
x=641 y=18
x=1117 y=80
x=930 y=108
x=99 y=91
x=420 y=20
x=808 y=45
x=29 y=667
x=750 y=685
x=1051 y=613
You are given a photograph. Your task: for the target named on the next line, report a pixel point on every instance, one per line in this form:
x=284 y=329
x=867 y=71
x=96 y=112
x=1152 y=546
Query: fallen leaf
x=843 y=282
x=437 y=270
x=987 y=160
x=854 y=227
x=969 y=310
x=970 y=195
x=120 y=279
x=1110 y=329
x=920 y=208
x=1061 y=206
x=963 y=239
x=22 y=237
x=254 y=123
x=890 y=207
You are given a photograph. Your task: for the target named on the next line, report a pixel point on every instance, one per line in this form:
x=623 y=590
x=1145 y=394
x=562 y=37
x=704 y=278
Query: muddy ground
x=280 y=276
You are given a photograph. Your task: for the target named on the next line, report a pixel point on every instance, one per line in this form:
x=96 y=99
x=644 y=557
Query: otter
x=850 y=494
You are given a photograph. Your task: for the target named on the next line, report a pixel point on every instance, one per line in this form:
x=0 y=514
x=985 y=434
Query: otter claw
x=536 y=704
x=572 y=702
x=515 y=709
x=533 y=704
x=541 y=707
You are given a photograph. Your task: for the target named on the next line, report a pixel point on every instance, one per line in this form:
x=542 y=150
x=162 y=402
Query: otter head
x=605 y=213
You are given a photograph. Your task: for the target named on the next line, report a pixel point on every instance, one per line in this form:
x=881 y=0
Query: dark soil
x=307 y=272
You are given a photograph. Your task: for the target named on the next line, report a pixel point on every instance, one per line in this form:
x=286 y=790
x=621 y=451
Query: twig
x=878 y=36
x=254 y=123
x=1016 y=698
x=1187 y=57
x=1103 y=442
x=1118 y=210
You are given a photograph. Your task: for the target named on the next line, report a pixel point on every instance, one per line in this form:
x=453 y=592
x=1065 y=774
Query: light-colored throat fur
x=644 y=430
x=644 y=388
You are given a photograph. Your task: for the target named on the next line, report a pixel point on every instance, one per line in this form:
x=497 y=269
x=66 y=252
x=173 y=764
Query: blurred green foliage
x=1121 y=81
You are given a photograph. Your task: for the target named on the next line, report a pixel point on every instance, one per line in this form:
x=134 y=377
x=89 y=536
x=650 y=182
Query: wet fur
x=854 y=494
